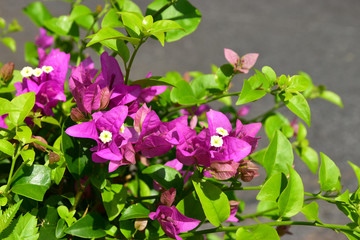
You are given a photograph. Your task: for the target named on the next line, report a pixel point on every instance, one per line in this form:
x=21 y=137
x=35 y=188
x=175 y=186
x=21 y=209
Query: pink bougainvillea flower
x=223 y=170
x=225 y=146
x=113 y=139
x=2 y=121
x=43 y=40
x=248 y=170
x=243 y=64
x=197 y=111
x=295 y=126
x=47 y=80
x=247 y=133
x=172 y=221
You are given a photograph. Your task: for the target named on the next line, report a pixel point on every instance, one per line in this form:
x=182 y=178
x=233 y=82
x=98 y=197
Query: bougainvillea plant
x=87 y=152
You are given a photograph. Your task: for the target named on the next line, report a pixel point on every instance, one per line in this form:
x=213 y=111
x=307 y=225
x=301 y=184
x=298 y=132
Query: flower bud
x=6 y=72
x=53 y=157
x=282 y=230
x=168 y=197
x=248 y=170
x=140 y=224
x=38 y=146
x=76 y=115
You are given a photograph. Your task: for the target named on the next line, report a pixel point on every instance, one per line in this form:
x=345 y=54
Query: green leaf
x=21 y=106
x=298 y=83
x=127 y=228
x=23 y=134
x=14 y=26
x=5 y=106
x=60 y=228
x=183 y=94
x=182 y=12
x=152 y=81
x=147 y=22
x=249 y=94
x=82 y=15
x=90 y=226
x=166 y=176
x=279 y=155
x=190 y=206
x=135 y=211
x=292 y=198
x=110 y=33
x=272 y=188
x=223 y=75
x=6 y=147
x=28 y=156
x=111 y=20
x=31 y=54
x=61 y=25
x=260 y=232
x=38 y=13
x=275 y=122
x=118 y=46
x=164 y=26
x=32 y=182
x=356 y=170
x=203 y=84
x=76 y=156
x=49 y=218
x=132 y=22
x=331 y=97
x=161 y=37
x=298 y=105
x=329 y=173
x=214 y=202
x=310 y=158
x=269 y=73
x=26 y=228
x=311 y=212
x=114 y=198
x=9 y=42
x=2 y=23
x=8 y=215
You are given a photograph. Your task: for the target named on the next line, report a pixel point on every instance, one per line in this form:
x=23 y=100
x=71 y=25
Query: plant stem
x=48 y=146
x=10 y=178
x=317 y=196
x=243 y=217
x=276 y=223
x=128 y=68
x=80 y=192
x=243 y=188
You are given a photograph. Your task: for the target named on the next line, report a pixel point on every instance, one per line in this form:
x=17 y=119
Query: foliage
x=93 y=153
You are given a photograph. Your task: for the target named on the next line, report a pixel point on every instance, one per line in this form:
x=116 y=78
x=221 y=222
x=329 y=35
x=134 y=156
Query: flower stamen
x=216 y=141
x=221 y=131
x=105 y=136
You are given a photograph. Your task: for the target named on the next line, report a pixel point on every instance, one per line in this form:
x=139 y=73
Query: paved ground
x=318 y=37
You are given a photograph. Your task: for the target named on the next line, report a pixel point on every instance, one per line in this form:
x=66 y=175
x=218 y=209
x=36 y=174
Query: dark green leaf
x=223 y=75
x=90 y=226
x=118 y=46
x=292 y=198
x=60 y=228
x=166 y=176
x=279 y=155
x=214 y=202
x=152 y=81
x=182 y=12
x=329 y=173
x=135 y=211
x=38 y=13
x=190 y=206
x=298 y=105
x=32 y=182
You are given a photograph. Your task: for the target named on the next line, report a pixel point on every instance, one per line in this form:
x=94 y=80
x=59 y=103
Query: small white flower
x=221 y=131
x=122 y=129
x=37 y=72
x=47 y=69
x=216 y=141
x=26 y=72
x=105 y=136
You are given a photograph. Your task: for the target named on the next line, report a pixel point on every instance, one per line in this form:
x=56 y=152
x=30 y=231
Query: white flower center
x=47 y=69
x=216 y=141
x=122 y=129
x=37 y=72
x=221 y=131
x=26 y=72
x=105 y=136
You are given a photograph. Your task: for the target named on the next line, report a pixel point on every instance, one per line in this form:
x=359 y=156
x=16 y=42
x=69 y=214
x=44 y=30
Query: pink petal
x=232 y=57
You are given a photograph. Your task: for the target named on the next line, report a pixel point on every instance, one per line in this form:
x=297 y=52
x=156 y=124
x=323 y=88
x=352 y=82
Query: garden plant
x=88 y=152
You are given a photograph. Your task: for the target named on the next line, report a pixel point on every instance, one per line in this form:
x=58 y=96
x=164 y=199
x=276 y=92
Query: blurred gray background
x=319 y=37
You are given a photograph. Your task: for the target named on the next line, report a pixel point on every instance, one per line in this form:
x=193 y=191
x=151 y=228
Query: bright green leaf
x=110 y=33
x=311 y=212
x=2 y=23
x=310 y=158
x=331 y=97
x=38 y=13
x=21 y=106
x=213 y=201
x=248 y=94
x=183 y=93
x=6 y=147
x=279 y=155
x=273 y=123
x=298 y=105
x=356 y=170
x=151 y=81
x=134 y=211
x=31 y=54
x=8 y=215
x=164 y=26
x=260 y=232
x=82 y=15
x=114 y=198
x=329 y=173
x=292 y=198
x=23 y=134
x=28 y=156
x=111 y=20
x=223 y=75
x=298 y=83
x=269 y=73
x=272 y=188
x=9 y=42
x=26 y=228
x=132 y=22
